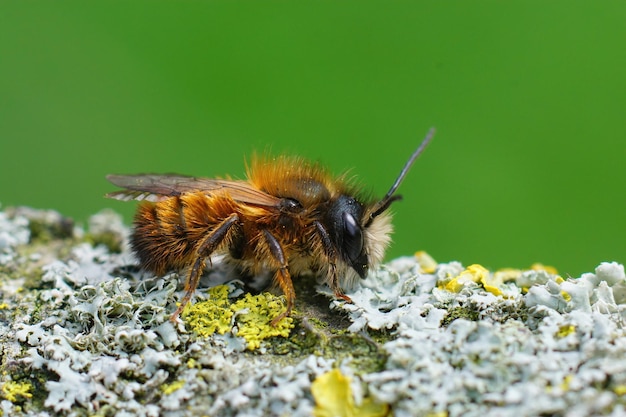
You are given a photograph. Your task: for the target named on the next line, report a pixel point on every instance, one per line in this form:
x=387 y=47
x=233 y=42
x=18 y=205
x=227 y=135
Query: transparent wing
x=155 y=187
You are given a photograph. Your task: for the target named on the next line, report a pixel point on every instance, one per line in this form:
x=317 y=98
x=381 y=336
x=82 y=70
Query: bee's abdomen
x=167 y=234
x=159 y=239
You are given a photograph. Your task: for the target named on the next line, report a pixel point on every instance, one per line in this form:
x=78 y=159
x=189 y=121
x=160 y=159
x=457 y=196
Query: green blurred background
x=529 y=99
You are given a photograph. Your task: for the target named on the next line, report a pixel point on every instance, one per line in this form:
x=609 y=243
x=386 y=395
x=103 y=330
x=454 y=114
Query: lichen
x=466 y=313
x=15 y=391
x=565 y=330
x=254 y=316
x=168 y=389
x=474 y=274
x=426 y=262
x=107 y=228
x=481 y=365
x=334 y=398
x=206 y=318
x=85 y=333
x=249 y=317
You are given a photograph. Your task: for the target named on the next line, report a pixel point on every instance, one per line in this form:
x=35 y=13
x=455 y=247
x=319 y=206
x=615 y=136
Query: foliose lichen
x=83 y=333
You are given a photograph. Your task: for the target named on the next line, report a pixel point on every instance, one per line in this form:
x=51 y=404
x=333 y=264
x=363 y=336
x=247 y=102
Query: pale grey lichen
x=567 y=356
x=13 y=232
x=93 y=337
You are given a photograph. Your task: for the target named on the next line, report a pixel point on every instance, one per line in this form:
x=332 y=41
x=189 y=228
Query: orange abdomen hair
x=167 y=233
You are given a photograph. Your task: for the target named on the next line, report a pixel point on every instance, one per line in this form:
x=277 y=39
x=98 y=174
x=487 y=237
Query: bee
x=289 y=216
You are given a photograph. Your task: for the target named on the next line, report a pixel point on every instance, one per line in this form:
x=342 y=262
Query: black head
x=343 y=220
x=347 y=219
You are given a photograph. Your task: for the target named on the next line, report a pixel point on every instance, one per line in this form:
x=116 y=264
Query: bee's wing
x=154 y=187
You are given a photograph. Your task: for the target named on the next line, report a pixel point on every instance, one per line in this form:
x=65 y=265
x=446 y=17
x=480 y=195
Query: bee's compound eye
x=290 y=205
x=353 y=238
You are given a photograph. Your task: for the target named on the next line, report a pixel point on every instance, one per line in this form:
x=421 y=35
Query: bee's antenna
x=389 y=198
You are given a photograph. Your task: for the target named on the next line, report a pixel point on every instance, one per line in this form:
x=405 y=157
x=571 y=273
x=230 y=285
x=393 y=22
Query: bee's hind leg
x=206 y=247
x=282 y=276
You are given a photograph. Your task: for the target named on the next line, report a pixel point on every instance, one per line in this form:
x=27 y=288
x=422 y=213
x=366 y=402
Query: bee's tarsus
x=281 y=316
x=342 y=296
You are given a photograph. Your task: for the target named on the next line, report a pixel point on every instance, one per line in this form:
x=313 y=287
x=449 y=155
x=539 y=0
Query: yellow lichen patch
x=426 y=262
x=474 y=273
x=565 y=330
x=254 y=325
x=507 y=274
x=620 y=390
x=4 y=306
x=457 y=283
x=212 y=316
x=541 y=267
x=170 y=388
x=566 y=382
x=492 y=288
x=454 y=285
x=253 y=316
x=480 y=275
x=491 y=282
x=333 y=398
x=566 y=296
x=12 y=390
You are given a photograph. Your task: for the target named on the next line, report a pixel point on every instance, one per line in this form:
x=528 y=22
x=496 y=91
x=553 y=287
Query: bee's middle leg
x=206 y=247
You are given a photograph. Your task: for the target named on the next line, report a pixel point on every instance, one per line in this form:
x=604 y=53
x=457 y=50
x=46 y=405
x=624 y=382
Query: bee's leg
x=337 y=290
x=332 y=262
x=282 y=276
x=334 y=284
x=206 y=247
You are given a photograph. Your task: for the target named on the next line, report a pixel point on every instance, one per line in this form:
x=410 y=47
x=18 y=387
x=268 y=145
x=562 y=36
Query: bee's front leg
x=331 y=254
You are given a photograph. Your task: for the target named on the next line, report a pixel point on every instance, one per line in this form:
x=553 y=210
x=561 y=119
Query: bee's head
x=361 y=233
x=357 y=244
